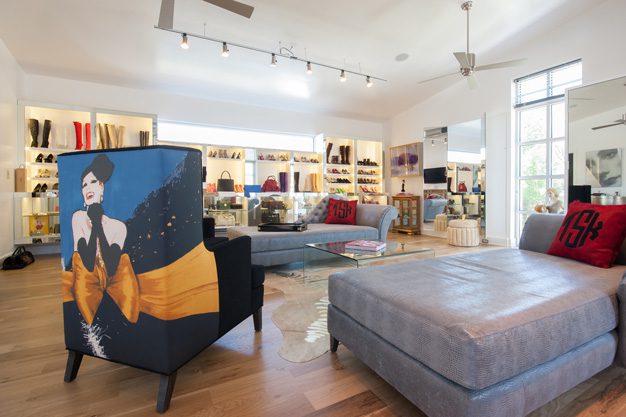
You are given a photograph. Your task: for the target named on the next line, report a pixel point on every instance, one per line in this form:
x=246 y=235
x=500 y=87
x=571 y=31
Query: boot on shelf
x=329 y=148
x=78 y=128
x=296 y=182
x=45 y=135
x=87 y=136
x=342 y=152
x=33 y=129
x=347 y=154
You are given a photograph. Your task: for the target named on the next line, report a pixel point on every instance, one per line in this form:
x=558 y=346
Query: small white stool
x=441 y=222
x=463 y=233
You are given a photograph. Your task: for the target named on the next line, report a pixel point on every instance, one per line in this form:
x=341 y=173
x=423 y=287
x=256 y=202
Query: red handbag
x=270 y=185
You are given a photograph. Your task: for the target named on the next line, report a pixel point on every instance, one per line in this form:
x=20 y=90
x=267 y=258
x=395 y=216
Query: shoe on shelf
x=37 y=188
x=39 y=158
x=49 y=159
x=55 y=186
x=44 y=188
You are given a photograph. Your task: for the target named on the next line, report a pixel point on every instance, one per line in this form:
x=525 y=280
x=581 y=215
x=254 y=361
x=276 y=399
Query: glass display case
x=228 y=209
x=409 y=214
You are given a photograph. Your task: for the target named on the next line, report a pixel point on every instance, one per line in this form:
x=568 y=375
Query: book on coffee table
x=365 y=245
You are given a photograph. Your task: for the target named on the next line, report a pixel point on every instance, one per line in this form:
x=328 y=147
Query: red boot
x=87 y=136
x=78 y=128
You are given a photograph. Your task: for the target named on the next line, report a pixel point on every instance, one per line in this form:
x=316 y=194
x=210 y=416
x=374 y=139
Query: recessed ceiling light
x=402 y=57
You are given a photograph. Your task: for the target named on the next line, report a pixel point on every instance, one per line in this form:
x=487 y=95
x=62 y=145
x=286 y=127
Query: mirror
x=454 y=173
x=596 y=142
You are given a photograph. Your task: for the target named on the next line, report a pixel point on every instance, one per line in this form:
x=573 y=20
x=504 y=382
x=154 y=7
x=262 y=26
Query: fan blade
x=603 y=126
x=438 y=77
x=166 y=15
x=233 y=6
x=463 y=59
x=504 y=64
x=472 y=82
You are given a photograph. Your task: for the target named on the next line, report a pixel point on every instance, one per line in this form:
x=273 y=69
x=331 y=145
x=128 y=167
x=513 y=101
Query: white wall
x=192 y=110
x=596 y=37
x=10 y=76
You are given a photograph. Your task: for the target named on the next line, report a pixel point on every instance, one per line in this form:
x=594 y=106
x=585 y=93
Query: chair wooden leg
x=334 y=344
x=257 y=317
x=73 y=363
x=166 y=387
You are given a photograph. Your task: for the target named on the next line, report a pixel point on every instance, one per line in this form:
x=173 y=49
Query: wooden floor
x=240 y=375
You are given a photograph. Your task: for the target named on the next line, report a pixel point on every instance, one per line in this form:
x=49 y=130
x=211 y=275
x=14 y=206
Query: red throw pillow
x=591 y=233
x=341 y=212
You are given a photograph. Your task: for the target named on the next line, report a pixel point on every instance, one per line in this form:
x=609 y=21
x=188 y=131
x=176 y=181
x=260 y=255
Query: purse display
x=270 y=185
x=225 y=184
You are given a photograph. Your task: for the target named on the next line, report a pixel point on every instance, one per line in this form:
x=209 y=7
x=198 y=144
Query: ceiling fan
x=618 y=122
x=166 y=16
x=467 y=60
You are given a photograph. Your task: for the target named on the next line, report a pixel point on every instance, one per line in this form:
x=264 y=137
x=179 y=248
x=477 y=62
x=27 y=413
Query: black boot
x=33 y=128
x=342 y=152
x=329 y=148
x=45 y=135
x=347 y=151
x=296 y=182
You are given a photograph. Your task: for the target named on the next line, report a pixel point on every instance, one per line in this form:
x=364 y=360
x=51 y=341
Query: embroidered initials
x=580 y=226
x=342 y=210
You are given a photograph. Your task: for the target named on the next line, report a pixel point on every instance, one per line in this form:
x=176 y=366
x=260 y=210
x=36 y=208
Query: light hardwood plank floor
x=240 y=375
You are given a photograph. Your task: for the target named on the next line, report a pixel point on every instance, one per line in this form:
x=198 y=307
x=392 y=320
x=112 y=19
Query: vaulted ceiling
x=114 y=41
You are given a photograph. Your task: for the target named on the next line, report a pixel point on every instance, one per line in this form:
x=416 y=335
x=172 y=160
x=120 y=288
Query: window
x=540 y=136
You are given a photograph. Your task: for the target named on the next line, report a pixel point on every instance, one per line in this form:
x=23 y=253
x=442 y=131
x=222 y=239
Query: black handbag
x=225 y=184
x=21 y=258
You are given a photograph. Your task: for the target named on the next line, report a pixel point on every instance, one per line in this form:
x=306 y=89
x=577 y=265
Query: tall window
x=540 y=136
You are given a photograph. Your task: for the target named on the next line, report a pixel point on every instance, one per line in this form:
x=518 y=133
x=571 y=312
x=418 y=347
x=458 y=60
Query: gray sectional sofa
x=484 y=334
x=275 y=248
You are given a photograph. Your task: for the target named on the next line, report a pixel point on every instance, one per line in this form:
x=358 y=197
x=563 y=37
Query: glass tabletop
x=392 y=249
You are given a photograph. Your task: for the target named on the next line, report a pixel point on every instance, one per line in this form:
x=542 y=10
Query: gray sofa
x=484 y=334
x=275 y=248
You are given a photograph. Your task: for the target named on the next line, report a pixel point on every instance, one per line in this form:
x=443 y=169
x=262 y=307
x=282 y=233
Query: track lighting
x=283 y=53
x=184 y=44
x=432 y=142
x=445 y=140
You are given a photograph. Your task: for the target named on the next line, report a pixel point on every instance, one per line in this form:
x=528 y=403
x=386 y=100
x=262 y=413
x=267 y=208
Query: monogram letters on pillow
x=591 y=233
x=341 y=212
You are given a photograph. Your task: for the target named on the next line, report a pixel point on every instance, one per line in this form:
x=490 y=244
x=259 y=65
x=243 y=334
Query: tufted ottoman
x=441 y=222
x=463 y=233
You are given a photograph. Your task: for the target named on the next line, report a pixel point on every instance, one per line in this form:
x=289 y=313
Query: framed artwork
x=604 y=168
x=406 y=160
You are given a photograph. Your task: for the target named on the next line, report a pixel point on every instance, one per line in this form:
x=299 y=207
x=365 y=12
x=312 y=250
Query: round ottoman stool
x=463 y=233
x=441 y=222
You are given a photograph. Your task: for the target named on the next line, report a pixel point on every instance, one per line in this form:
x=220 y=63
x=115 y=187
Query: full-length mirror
x=597 y=138
x=454 y=174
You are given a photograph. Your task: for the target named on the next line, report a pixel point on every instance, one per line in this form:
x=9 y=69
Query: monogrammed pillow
x=591 y=233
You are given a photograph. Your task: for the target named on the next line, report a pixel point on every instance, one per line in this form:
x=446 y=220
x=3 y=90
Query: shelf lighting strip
x=308 y=62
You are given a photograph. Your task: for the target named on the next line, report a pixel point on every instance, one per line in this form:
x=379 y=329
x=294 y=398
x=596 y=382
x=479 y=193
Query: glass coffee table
x=334 y=254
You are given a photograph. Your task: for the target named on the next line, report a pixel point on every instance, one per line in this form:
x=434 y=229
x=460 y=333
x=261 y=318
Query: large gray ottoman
x=496 y=333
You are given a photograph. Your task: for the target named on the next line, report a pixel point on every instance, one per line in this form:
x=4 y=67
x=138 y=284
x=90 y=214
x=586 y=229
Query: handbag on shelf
x=20 y=258
x=270 y=185
x=225 y=184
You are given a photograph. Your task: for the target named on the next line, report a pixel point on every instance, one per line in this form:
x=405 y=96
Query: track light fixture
x=183 y=43
x=445 y=140
x=283 y=53
x=432 y=142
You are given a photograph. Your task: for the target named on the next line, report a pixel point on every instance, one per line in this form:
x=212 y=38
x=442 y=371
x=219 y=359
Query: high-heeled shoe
x=44 y=188
x=49 y=159
x=39 y=158
x=37 y=188
x=55 y=186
